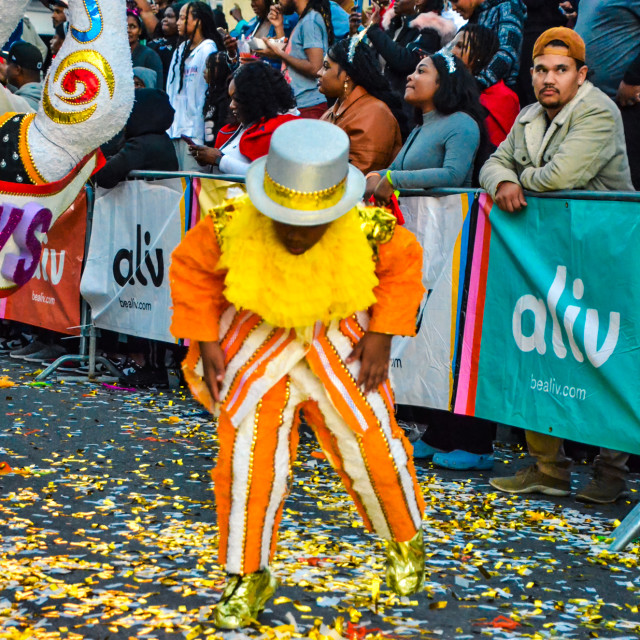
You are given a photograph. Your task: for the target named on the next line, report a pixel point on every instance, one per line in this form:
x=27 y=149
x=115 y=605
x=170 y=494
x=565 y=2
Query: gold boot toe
x=405 y=565
x=243 y=599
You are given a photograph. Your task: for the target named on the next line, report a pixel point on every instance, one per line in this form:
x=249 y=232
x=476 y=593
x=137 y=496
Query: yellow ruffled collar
x=331 y=281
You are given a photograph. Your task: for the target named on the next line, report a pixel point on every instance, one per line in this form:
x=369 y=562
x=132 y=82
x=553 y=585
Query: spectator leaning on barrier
x=365 y=108
x=440 y=152
x=186 y=86
x=506 y=18
x=24 y=71
x=571 y=139
x=611 y=31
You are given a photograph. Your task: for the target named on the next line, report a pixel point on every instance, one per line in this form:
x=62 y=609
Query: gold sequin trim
x=304 y=200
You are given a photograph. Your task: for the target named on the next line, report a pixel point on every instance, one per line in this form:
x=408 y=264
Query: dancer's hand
x=373 y=351
x=213 y=364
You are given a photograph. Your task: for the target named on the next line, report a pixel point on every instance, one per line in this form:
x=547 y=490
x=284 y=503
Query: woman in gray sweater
x=440 y=152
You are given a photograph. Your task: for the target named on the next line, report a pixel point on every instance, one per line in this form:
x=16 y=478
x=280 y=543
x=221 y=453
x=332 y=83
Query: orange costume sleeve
x=197 y=284
x=399 y=294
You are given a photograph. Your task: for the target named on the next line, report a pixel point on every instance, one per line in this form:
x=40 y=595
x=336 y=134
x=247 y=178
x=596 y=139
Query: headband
x=354 y=42
x=449 y=60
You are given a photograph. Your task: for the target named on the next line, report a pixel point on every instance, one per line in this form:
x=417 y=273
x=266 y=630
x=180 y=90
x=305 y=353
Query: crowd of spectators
x=426 y=90
x=362 y=70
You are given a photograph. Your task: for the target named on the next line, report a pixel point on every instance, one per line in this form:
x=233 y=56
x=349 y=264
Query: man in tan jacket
x=571 y=139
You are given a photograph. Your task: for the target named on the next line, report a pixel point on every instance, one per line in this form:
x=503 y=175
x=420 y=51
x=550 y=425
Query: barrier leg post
x=87 y=346
x=92 y=352
x=627 y=530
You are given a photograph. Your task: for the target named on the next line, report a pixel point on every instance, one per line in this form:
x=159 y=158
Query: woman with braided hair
x=186 y=85
x=303 y=55
x=365 y=108
x=475 y=45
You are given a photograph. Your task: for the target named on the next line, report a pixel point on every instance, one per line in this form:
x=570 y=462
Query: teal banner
x=552 y=326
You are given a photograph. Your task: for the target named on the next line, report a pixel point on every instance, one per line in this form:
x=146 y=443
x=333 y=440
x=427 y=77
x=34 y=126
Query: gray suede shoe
x=532 y=480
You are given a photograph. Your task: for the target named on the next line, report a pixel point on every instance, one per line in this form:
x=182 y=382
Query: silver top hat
x=306 y=178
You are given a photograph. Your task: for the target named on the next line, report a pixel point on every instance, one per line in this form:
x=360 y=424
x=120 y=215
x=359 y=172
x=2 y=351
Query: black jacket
x=403 y=52
x=147 y=145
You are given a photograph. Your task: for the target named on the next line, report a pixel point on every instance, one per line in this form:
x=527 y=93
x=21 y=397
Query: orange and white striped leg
x=251 y=479
x=376 y=466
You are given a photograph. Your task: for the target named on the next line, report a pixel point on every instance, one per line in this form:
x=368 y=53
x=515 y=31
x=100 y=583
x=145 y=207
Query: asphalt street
x=108 y=531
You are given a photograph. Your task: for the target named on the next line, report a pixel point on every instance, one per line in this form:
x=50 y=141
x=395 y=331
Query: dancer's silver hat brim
x=354 y=190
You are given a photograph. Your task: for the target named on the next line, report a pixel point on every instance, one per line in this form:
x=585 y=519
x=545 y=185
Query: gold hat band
x=304 y=200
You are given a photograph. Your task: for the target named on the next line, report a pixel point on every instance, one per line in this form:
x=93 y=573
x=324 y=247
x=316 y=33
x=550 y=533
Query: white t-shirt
x=188 y=104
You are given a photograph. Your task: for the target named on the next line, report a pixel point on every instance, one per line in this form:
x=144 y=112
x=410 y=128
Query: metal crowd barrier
x=622 y=535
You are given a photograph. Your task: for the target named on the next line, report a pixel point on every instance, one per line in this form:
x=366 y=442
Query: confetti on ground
x=6 y=382
x=107 y=530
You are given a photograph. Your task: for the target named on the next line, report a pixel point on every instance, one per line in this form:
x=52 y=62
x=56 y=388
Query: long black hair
x=323 y=7
x=216 y=103
x=262 y=92
x=364 y=70
x=204 y=17
x=482 y=44
x=458 y=91
x=219 y=77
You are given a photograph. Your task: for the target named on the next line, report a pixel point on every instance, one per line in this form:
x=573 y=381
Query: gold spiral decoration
x=85 y=56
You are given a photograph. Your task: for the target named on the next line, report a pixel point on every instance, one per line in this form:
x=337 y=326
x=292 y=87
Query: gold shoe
x=243 y=599
x=405 y=565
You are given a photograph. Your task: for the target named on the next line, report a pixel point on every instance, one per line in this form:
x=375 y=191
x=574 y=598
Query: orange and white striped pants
x=256 y=457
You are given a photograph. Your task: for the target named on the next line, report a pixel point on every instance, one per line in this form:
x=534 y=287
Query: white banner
x=136 y=226
x=421 y=367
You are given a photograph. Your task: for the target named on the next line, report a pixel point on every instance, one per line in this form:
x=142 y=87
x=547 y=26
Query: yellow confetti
x=6 y=382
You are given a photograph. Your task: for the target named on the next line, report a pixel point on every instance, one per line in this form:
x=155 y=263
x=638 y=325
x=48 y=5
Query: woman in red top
x=261 y=100
x=476 y=45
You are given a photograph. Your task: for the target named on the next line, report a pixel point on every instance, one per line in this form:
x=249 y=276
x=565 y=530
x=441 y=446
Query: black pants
x=631 y=121
x=448 y=431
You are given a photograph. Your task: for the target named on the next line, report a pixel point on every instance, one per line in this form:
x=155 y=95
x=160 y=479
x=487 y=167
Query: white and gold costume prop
x=46 y=157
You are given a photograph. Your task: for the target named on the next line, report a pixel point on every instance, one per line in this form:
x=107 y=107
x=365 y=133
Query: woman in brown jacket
x=366 y=109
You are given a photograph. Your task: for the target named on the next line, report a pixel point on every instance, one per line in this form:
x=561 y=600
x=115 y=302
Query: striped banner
x=422 y=368
x=550 y=323
x=470 y=333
